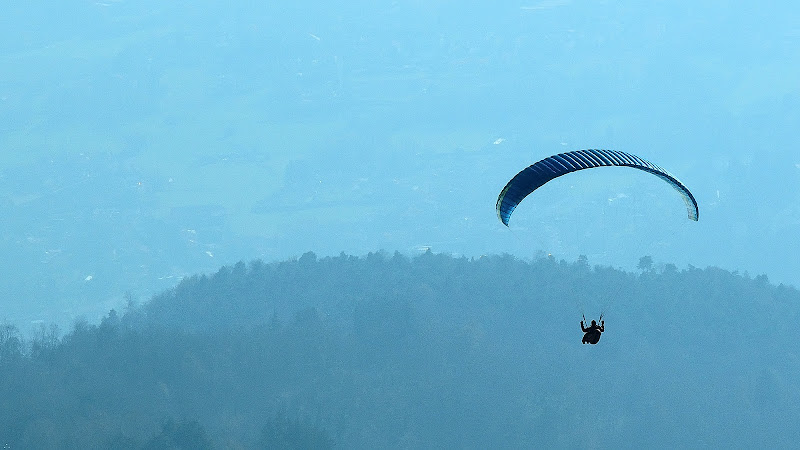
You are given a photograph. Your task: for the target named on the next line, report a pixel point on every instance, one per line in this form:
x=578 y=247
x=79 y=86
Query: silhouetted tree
x=645 y=263
x=10 y=343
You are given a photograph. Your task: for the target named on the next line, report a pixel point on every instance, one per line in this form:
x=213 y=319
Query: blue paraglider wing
x=533 y=177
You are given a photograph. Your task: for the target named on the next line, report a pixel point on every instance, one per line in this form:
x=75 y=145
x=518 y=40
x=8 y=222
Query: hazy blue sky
x=142 y=141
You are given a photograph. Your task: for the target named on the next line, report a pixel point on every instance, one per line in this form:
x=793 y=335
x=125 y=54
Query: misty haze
x=258 y=225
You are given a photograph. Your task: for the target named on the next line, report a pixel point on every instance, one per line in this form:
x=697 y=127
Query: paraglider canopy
x=535 y=176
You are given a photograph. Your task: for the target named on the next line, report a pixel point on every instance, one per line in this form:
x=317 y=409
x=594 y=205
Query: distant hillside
x=431 y=351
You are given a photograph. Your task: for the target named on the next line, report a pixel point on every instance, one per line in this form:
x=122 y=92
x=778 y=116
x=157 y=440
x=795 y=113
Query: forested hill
x=388 y=351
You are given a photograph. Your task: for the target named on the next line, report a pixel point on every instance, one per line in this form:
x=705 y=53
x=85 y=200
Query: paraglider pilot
x=593 y=331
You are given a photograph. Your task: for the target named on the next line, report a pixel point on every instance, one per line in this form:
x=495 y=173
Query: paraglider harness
x=592 y=333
